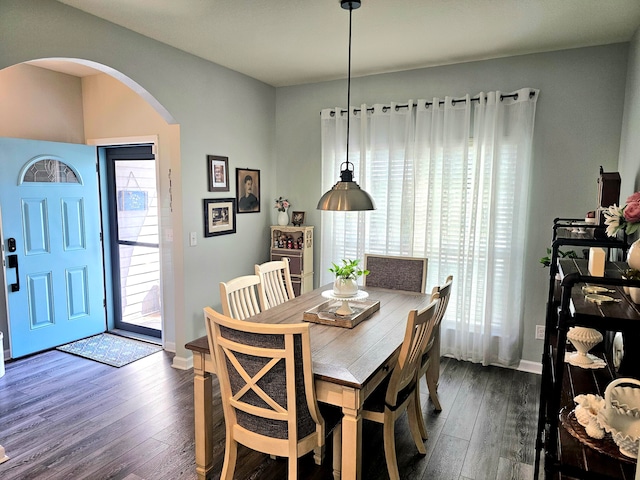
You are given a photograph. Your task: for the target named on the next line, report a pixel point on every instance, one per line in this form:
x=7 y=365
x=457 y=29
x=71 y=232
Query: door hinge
x=101 y=236
x=104 y=302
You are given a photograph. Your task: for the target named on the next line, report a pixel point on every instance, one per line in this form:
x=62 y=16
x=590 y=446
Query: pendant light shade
x=346 y=195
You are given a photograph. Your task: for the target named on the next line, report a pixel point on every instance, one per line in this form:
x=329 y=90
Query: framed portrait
x=248 y=190
x=219 y=216
x=297 y=218
x=218 y=173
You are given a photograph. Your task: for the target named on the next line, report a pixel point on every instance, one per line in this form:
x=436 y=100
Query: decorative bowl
x=584 y=339
x=626 y=400
x=624 y=430
x=588 y=407
x=620 y=422
x=587 y=412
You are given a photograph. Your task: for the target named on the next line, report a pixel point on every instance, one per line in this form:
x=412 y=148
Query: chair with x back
x=267 y=389
x=239 y=298
x=430 y=363
x=275 y=283
x=397 y=393
x=397 y=273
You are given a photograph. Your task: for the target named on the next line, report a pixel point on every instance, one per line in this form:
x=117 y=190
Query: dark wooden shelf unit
x=567 y=452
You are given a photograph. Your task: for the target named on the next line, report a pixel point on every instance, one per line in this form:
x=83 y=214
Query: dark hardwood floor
x=65 y=417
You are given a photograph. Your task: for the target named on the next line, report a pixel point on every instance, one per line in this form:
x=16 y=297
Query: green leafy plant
x=546 y=261
x=631 y=274
x=348 y=269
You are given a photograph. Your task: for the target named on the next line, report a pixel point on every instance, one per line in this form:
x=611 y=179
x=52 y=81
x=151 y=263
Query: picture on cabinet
x=297 y=219
x=219 y=216
x=218 y=173
x=248 y=190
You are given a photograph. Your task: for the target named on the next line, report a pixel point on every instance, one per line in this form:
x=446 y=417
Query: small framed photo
x=248 y=190
x=218 y=173
x=297 y=218
x=219 y=216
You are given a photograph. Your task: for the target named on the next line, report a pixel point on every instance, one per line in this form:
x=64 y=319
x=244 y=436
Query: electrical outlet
x=539 y=332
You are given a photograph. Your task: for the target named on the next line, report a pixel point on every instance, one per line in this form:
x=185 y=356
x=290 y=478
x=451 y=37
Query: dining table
x=348 y=364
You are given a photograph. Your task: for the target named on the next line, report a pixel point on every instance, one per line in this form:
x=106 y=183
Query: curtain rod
x=532 y=94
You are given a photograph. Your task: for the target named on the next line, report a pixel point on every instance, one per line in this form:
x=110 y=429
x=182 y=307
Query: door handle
x=12 y=262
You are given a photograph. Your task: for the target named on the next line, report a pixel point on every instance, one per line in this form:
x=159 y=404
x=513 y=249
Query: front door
x=52 y=234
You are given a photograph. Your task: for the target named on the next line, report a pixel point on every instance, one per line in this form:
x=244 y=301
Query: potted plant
x=546 y=261
x=345 y=284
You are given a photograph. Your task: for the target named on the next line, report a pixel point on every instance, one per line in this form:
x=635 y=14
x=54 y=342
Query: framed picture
x=218 y=173
x=248 y=190
x=219 y=216
x=297 y=218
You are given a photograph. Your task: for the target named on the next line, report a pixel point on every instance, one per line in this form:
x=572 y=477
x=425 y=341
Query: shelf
x=296 y=244
x=565 y=454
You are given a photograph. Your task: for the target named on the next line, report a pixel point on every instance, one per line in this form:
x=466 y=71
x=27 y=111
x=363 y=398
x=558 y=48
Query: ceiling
x=289 y=42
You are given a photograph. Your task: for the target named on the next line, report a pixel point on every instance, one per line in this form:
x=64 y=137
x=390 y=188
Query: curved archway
x=61 y=64
x=103 y=119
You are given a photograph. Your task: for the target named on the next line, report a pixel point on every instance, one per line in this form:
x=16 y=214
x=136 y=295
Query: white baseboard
x=530 y=367
x=7 y=354
x=182 y=363
x=170 y=347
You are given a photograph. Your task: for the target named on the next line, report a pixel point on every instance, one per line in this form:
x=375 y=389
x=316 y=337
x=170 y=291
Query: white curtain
x=450 y=180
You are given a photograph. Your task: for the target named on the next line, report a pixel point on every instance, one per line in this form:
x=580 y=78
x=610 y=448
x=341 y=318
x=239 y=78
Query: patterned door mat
x=110 y=349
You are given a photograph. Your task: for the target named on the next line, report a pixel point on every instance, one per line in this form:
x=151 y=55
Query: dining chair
x=430 y=363
x=275 y=283
x=268 y=392
x=238 y=296
x=397 y=273
x=397 y=393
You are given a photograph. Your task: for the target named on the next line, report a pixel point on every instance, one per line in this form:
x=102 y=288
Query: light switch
x=193 y=240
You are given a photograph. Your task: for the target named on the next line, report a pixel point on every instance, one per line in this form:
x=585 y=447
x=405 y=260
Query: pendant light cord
x=349 y=86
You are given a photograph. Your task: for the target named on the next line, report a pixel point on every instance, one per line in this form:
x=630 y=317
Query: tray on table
x=325 y=313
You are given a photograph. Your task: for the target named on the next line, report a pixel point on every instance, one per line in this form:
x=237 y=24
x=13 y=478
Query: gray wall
x=630 y=140
x=578 y=124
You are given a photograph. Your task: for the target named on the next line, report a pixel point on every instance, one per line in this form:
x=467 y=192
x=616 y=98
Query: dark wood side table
x=567 y=450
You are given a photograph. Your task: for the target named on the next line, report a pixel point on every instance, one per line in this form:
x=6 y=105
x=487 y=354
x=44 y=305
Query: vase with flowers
x=627 y=219
x=282 y=204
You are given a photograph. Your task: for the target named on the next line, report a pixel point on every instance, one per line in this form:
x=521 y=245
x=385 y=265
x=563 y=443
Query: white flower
x=612 y=218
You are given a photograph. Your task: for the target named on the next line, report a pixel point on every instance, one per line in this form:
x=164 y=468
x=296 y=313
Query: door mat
x=110 y=349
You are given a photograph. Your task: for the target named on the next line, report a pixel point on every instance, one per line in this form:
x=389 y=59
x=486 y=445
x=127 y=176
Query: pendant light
x=346 y=195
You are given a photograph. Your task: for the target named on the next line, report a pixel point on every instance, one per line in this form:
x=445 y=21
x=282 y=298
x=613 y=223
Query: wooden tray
x=325 y=313
x=606 y=445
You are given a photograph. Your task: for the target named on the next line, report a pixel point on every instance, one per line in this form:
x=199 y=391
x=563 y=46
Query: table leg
x=351 y=444
x=203 y=414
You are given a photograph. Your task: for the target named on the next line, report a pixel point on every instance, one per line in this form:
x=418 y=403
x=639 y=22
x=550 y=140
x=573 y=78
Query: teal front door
x=53 y=248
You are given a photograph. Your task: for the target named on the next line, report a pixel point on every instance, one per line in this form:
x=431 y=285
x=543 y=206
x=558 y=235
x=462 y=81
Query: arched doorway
x=99 y=90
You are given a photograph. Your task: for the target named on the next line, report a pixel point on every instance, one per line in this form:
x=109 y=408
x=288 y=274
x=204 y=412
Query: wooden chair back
x=420 y=324
x=396 y=273
x=267 y=388
x=441 y=292
x=275 y=283
x=239 y=298
x=430 y=363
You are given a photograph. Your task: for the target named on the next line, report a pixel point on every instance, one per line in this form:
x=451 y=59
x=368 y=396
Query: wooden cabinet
x=568 y=451
x=296 y=244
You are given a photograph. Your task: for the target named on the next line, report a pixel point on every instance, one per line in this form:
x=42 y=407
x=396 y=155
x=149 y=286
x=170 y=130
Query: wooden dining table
x=348 y=364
